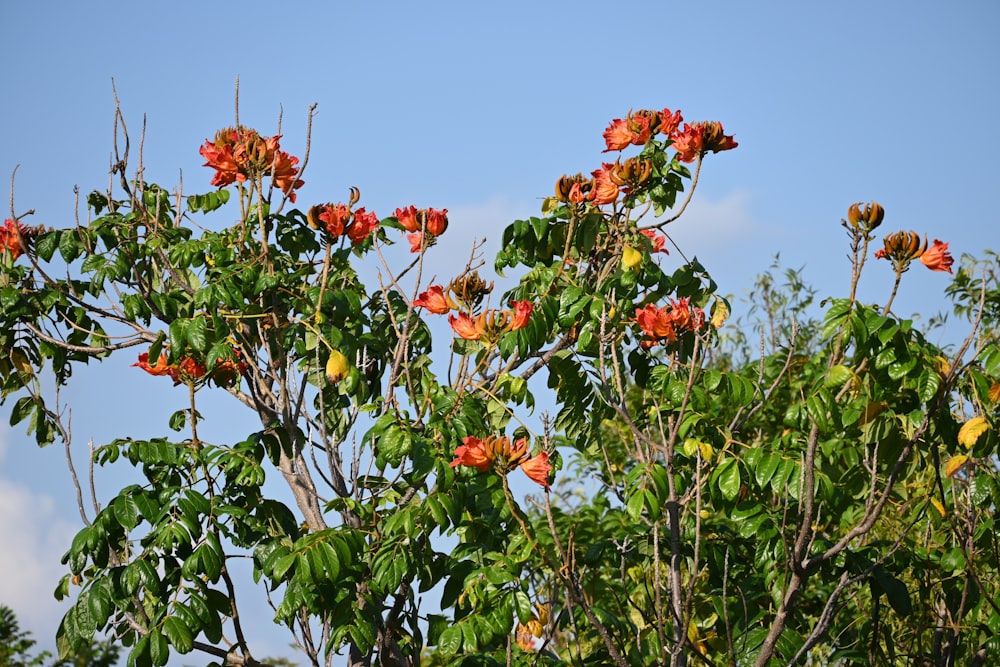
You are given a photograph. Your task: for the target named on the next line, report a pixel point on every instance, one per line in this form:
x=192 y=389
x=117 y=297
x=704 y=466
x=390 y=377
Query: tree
x=16 y=644
x=831 y=498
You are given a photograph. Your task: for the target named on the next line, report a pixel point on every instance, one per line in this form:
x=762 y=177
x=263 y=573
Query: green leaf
x=450 y=641
x=178 y=633
x=159 y=651
x=727 y=476
x=197 y=333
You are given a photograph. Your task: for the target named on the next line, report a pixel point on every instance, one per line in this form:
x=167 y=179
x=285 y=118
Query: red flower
x=335 y=217
x=364 y=224
x=688 y=143
x=416 y=241
x=669 y=122
x=10 y=237
x=617 y=137
x=699 y=138
x=937 y=257
x=538 y=468
x=475 y=453
x=434 y=300
x=464 y=326
x=522 y=313
x=656 y=323
x=407 y=217
x=577 y=193
x=239 y=154
x=219 y=155
x=437 y=221
x=189 y=370
x=605 y=190
x=659 y=241
x=162 y=367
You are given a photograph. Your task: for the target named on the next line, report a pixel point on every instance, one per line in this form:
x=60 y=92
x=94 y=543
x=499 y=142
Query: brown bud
x=865 y=218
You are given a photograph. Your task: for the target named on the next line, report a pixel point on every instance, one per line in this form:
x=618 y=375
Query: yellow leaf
x=631 y=257
x=994 y=394
x=971 y=431
x=872 y=410
x=720 y=313
x=337 y=367
x=939 y=507
x=20 y=361
x=954 y=464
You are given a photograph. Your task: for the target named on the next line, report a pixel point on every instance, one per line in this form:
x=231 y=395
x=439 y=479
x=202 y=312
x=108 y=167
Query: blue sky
x=478 y=108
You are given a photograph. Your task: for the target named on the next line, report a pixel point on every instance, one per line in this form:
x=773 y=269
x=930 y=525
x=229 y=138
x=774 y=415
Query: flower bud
x=867 y=218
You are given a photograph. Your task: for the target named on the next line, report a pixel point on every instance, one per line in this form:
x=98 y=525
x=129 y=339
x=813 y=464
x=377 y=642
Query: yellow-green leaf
x=971 y=430
x=954 y=464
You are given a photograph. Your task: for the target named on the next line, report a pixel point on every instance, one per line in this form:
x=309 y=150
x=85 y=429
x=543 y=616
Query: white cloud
x=34 y=540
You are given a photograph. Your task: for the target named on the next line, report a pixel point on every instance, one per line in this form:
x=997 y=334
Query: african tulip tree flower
x=416 y=241
x=437 y=221
x=11 y=237
x=659 y=241
x=663 y=325
x=434 y=300
x=538 y=468
x=522 y=313
x=617 y=136
x=331 y=217
x=241 y=154
x=407 y=217
x=161 y=367
x=605 y=190
x=464 y=326
x=698 y=138
x=363 y=224
x=498 y=454
x=937 y=257
x=670 y=121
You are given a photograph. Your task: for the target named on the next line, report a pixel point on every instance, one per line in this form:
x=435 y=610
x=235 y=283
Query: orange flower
x=239 y=154
x=162 y=366
x=464 y=326
x=538 y=468
x=219 y=156
x=434 y=300
x=227 y=372
x=437 y=221
x=658 y=240
x=937 y=257
x=656 y=323
x=669 y=122
x=334 y=218
x=416 y=241
x=407 y=217
x=475 y=454
x=189 y=370
x=605 y=190
x=688 y=143
x=11 y=235
x=363 y=225
x=617 y=136
x=522 y=313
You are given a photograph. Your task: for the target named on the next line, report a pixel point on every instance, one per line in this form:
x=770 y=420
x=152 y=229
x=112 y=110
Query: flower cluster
x=424 y=225
x=339 y=220
x=190 y=370
x=465 y=295
x=241 y=154
x=694 y=140
x=901 y=248
x=499 y=455
x=12 y=237
x=664 y=325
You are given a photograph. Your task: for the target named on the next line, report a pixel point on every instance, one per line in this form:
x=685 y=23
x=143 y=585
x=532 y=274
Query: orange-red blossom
x=240 y=154
x=699 y=138
x=663 y=325
x=435 y=300
x=10 y=237
x=417 y=221
x=492 y=323
x=498 y=454
x=225 y=373
x=903 y=247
